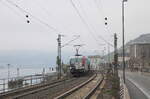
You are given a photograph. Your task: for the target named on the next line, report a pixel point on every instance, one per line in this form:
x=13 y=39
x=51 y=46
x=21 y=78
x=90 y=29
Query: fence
x=20 y=82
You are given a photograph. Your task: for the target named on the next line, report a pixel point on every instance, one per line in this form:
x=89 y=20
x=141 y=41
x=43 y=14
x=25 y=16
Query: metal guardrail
x=26 y=81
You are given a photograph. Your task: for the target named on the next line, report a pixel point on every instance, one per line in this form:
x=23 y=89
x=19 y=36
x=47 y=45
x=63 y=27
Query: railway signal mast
x=59 y=56
x=115 y=56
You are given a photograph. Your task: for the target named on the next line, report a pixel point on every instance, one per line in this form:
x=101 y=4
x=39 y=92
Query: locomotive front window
x=75 y=60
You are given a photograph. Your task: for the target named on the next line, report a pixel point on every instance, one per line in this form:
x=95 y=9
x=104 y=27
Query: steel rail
x=42 y=88
x=62 y=96
x=94 y=89
x=33 y=88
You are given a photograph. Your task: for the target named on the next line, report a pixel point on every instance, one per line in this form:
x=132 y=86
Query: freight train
x=79 y=65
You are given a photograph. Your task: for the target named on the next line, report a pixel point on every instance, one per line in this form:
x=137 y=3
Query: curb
x=124 y=93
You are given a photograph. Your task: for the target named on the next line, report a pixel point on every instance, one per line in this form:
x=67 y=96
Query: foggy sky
x=17 y=34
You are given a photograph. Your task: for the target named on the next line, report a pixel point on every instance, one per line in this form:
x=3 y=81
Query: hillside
x=144 y=38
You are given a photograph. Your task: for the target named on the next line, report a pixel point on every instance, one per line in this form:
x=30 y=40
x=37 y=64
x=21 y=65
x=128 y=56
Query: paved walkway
x=134 y=92
x=138 y=85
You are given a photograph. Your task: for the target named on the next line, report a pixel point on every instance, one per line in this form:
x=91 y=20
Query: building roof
x=143 y=39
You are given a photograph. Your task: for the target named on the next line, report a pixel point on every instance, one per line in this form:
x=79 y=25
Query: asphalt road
x=134 y=92
x=138 y=85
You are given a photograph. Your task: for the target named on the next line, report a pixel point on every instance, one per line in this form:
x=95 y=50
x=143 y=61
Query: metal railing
x=21 y=82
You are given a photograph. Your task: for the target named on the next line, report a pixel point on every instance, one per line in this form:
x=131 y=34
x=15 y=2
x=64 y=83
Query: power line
x=83 y=20
x=100 y=8
x=106 y=41
x=36 y=18
x=91 y=33
x=15 y=12
x=70 y=42
x=42 y=7
x=102 y=16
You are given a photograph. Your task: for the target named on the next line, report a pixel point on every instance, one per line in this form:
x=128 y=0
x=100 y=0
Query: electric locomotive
x=79 y=65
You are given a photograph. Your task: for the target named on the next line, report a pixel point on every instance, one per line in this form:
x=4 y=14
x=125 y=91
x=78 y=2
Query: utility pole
x=8 y=71
x=109 y=62
x=115 y=56
x=60 y=46
x=18 y=72
x=108 y=54
x=123 y=49
x=59 y=56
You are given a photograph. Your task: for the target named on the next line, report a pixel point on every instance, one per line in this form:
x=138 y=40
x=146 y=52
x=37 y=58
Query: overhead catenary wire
x=100 y=8
x=70 y=42
x=36 y=18
x=42 y=8
x=83 y=12
x=87 y=25
x=83 y=20
x=95 y=31
x=106 y=41
x=11 y=8
x=46 y=24
x=92 y=28
x=21 y=9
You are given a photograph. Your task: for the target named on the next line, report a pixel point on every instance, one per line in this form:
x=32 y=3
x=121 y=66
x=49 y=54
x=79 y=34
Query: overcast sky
x=17 y=34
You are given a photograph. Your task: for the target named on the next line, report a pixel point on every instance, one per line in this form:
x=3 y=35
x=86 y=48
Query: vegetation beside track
x=111 y=88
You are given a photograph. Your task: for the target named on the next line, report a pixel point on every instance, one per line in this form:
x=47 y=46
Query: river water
x=12 y=72
x=23 y=71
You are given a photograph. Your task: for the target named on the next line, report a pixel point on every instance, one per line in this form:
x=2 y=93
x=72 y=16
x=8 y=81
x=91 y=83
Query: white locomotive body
x=79 y=65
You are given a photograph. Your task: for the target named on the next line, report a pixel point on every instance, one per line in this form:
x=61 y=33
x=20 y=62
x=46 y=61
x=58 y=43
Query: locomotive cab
x=79 y=65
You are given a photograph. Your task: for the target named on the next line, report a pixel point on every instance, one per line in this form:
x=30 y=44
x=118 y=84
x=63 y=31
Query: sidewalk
x=134 y=92
x=124 y=93
x=138 y=85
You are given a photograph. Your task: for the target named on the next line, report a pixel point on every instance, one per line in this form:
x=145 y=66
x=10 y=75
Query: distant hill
x=144 y=38
x=31 y=58
x=27 y=58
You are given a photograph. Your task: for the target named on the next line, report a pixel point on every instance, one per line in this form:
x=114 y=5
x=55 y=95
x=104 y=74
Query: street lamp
x=123 y=39
x=8 y=71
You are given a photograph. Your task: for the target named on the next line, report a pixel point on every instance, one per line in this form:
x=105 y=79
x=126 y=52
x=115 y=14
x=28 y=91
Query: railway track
x=84 y=90
x=31 y=89
x=45 y=91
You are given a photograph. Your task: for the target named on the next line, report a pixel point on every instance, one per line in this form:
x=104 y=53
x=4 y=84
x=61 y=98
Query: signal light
x=28 y=21
x=27 y=16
